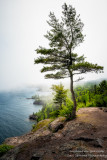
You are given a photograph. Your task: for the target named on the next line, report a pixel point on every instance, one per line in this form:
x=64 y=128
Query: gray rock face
x=38 y=102
x=33 y=117
x=57 y=124
x=98 y=143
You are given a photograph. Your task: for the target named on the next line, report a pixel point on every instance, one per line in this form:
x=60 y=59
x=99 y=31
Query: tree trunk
x=73 y=114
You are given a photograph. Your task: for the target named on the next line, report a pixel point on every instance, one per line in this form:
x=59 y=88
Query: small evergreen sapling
x=60 y=95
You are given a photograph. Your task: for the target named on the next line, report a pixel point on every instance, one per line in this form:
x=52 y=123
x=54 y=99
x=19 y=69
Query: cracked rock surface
x=82 y=138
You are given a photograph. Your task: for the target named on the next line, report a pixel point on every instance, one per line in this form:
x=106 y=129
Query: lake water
x=14 y=112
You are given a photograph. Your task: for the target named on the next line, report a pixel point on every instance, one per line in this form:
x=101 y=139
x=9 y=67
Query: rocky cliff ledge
x=82 y=138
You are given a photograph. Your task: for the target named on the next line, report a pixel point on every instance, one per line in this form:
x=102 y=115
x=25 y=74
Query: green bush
x=99 y=100
x=80 y=105
x=92 y=95
x=44 y=113
x=91 y=104
x=5 y=148
x=54 y=114
x=66 y=109
x=105 y=101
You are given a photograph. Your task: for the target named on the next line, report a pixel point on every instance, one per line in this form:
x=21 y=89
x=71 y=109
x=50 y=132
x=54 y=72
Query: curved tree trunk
x=73 y=114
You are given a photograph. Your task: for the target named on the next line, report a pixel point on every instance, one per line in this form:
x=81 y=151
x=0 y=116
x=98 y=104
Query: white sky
x=22 y=29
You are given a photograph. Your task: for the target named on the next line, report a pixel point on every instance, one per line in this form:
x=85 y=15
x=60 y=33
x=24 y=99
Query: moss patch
x=5 y=148
x=41 y=124
x=62 y=119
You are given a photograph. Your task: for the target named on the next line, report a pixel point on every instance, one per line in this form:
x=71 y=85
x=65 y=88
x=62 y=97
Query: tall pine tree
x=63 y=37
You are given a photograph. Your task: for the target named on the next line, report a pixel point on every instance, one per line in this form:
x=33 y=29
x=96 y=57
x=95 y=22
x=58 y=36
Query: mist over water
x=14 y=112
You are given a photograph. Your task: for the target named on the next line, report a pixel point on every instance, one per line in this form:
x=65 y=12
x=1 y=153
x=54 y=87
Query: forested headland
x=87 y=95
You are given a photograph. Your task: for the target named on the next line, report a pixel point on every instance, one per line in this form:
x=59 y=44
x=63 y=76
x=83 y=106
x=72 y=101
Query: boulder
x=42 y=124
x=57 y=124
x=33 y=117
x=38 y=102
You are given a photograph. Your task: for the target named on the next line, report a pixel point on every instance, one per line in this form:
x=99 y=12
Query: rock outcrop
x=82 y=138
x=33 y=117
x=57 y=124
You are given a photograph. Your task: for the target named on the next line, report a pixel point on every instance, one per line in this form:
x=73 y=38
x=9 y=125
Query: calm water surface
x=14 y=112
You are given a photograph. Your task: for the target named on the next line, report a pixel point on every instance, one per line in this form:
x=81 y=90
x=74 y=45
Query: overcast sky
x=22 y=29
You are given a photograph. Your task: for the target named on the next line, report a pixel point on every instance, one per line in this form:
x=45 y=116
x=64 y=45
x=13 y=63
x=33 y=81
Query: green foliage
x=66 y=109
x=85 y=98
x=33 y=126
x=63 y=37
x=54 y=114
x=55 y=109
x=102 y=87
x=91 y=104
x=44 y=113
x=60 y=95
x=5 y=148
x=98 y=100
x=80 y=105
x=92 y=95
x=105 y=101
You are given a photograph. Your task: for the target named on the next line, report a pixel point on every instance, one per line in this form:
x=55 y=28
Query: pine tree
x=60 y=95
x=63 y=37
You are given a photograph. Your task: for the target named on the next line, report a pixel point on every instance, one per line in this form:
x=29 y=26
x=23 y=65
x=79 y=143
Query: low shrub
x=91 y=104
x=66 y=109
x=5 y=148
x=44 y=113
x=54 y=114
x=80 y=105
